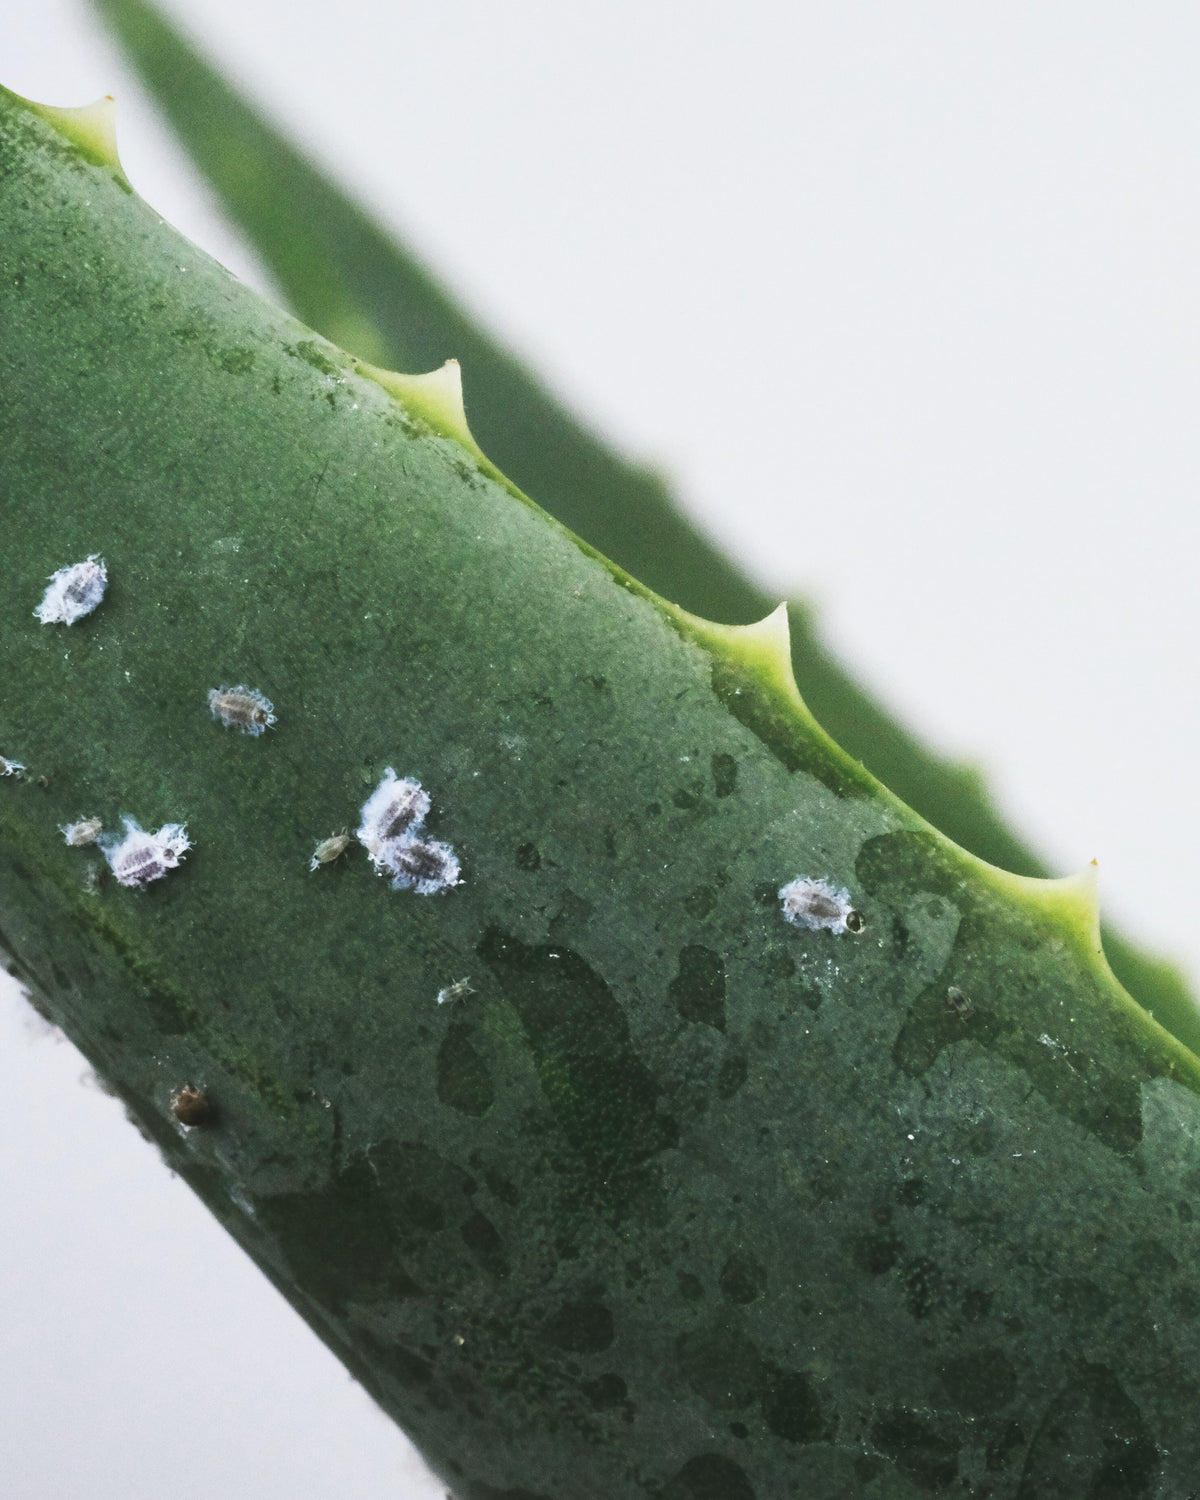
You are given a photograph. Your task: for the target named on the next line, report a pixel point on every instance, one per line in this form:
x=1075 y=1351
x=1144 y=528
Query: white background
x=907 y=299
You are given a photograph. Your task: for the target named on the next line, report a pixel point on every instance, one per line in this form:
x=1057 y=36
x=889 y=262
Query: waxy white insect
x=455 y=991
x=329 y=849
x=242 y=708
x=421 y=865
x=391 y=821
x=11 y=767
x=74 y=592
x=818 y=904
x=394 y=808
x=86 y=831
x=139 y=857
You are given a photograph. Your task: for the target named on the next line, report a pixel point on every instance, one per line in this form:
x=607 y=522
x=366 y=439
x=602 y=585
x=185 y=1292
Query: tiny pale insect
x=74 y=592
x=455 y=991
x=86 y=831
x=242 y=707
x=330 y=849
x=11 y=767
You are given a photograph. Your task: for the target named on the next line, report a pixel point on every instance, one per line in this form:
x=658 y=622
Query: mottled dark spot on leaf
x=1001 y=1451
x=721 y=1365
x=528 y=857
x=732 y=1075
x=724 y=773
x=981 y=1382
x=698 y=989
x=580 y=1327
x=709 y=1476
x=339 y=1240
x=605 y=1391
x=877 y=1252
x=602 y=1095
x=482 y=1238
x=793 y=1410
x=917 y=1449
x=1092 y=1444
x=312 y=354
x=742 y=1277
x=463 y=1082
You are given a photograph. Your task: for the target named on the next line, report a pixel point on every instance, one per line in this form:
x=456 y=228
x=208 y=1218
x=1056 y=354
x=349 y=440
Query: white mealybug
x=455 y=991
x=11 y=767
x=241 y=708
x=392 y=818
x=86 y=831
x=817 y=904
x=329 y=849
x=139 y=856
x=421 y=865
x=394 y=808
x=74 y=592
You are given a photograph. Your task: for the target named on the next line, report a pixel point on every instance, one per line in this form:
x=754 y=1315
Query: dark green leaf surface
x=354 y=283
x=679 y=1201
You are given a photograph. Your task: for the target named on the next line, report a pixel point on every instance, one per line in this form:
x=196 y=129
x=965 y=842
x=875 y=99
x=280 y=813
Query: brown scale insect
x=242 y=708
x=191 y=1106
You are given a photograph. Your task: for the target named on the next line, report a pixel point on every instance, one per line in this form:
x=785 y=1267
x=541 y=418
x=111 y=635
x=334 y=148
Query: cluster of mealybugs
x=392 y=818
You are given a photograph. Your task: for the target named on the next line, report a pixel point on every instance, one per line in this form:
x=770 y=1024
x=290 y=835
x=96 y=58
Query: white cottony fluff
x=421 y=865
x=74 y=592
x=817 y=904
x=392 y=818
x=139 y=856
x=394 y=808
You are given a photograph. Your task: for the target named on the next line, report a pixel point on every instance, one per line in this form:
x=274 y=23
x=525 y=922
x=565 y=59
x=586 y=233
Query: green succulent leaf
x=350 y=279
x=601 y=1174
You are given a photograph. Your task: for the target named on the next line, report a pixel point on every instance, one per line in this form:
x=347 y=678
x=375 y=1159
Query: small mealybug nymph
x=11 y=767
x=190 y=1106
x=74 y=592
x=241 y=708
x=140 y=857
x=394 y=808
x=329 y=849
x=455 y=991
x=817 y=904
x=86 y=831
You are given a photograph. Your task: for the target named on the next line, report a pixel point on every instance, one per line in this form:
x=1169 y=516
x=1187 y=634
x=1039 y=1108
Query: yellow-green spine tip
x=436 y=398
x=92 y=128
x=765 y=647
x=1074 y=901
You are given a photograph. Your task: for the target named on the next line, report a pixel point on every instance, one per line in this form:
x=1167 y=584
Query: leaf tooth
x=1074 y=901
x=90 y=127
x=435 y=397
x=764 y=646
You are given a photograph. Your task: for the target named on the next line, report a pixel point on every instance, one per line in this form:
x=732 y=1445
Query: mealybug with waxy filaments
x=11 y=767
x=819 y=905
x=74 y=592
x=139 y=856
x=242 y=708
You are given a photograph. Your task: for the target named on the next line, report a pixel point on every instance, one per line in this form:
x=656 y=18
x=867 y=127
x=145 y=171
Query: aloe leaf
x=604 y=1177
x=351 y=280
